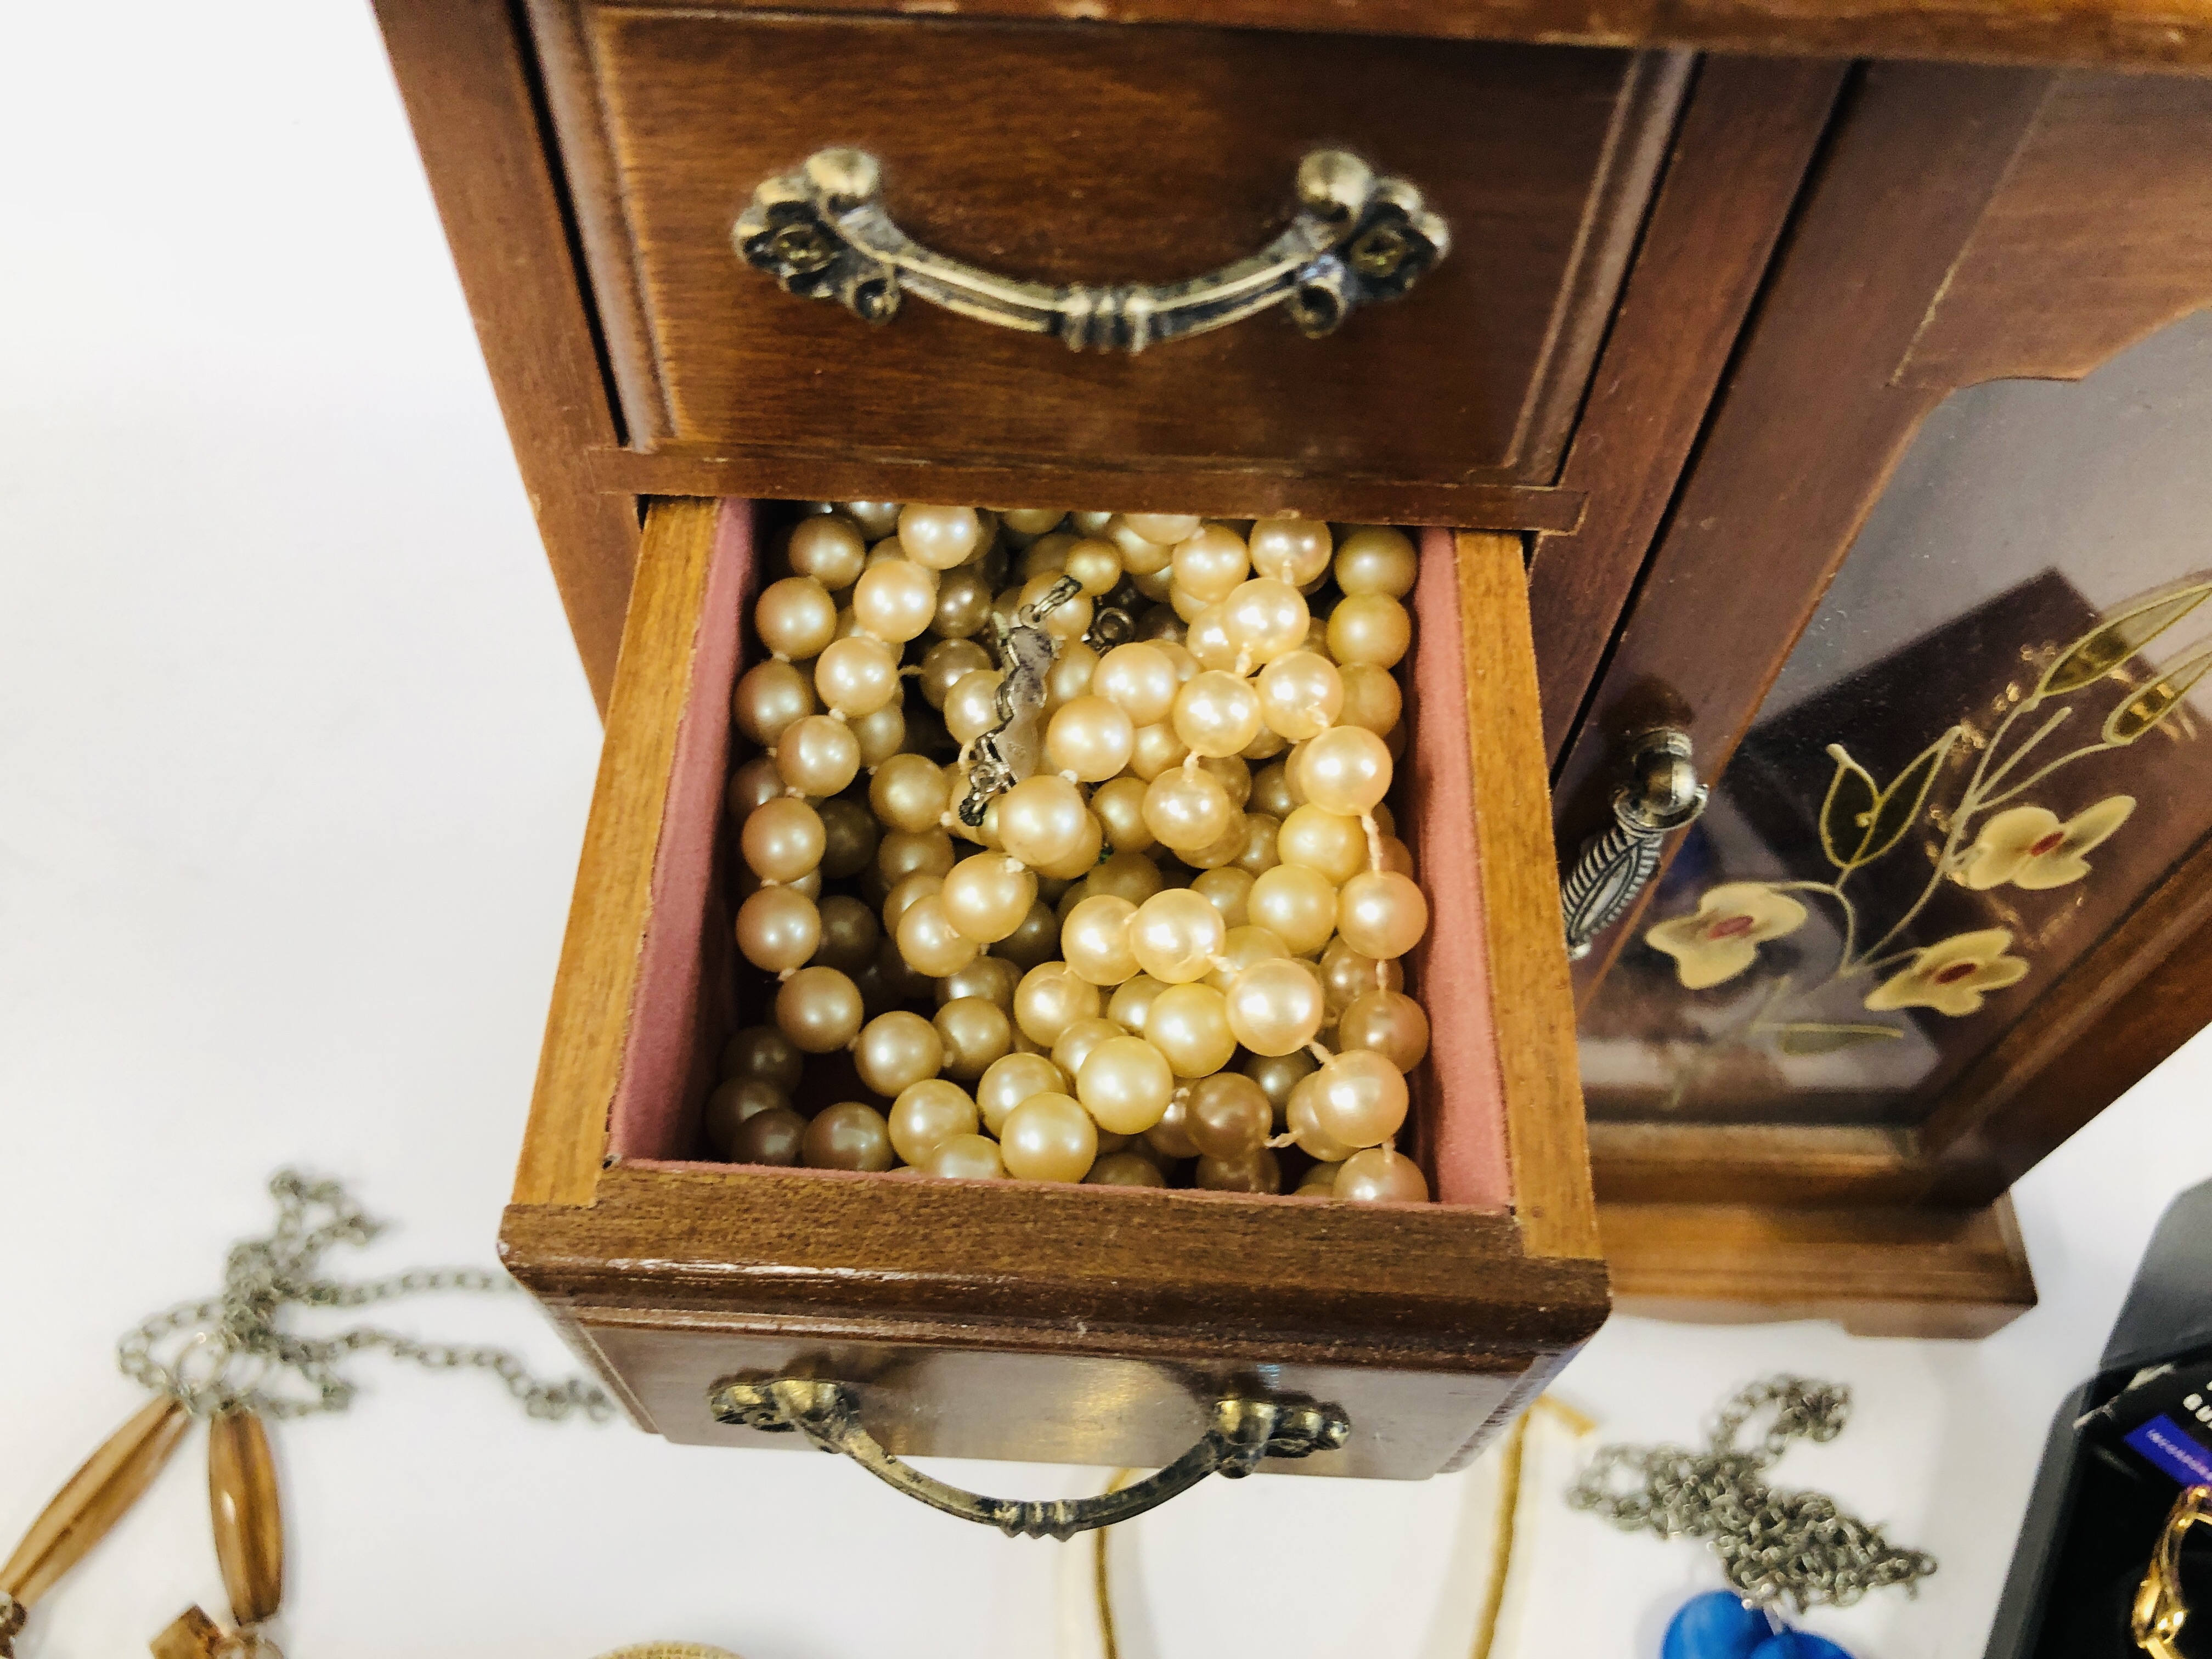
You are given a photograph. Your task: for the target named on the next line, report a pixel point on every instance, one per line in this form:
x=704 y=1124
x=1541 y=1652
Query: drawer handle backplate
x=1242 y=1433
x=822 y=233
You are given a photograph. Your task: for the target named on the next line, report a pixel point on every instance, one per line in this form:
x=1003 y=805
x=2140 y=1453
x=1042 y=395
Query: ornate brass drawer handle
x=1243 y=1431
x=1661 y=796
x=822 y=233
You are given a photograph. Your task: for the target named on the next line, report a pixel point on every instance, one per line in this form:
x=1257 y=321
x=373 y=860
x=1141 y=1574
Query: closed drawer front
x=1070 y=153
x=1039 y=1320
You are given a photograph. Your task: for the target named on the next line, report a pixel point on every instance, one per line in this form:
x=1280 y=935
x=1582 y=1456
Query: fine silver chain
x=229 y=1353
x=1774 y=1546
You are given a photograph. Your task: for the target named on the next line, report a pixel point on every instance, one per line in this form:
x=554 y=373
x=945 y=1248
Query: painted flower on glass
x=1722 y=939
x=1951 y=977
x=2028 y=846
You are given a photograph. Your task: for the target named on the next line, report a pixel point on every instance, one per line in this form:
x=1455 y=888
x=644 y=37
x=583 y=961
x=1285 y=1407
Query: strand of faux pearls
x=1161 y=1058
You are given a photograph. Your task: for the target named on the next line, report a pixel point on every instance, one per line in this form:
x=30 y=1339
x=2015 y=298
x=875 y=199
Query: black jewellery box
x=2124 y=1446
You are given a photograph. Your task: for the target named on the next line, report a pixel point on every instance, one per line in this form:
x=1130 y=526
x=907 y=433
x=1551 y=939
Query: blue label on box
x=2167 y=1444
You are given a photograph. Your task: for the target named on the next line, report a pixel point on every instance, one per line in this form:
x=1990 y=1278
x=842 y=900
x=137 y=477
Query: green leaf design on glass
x=2144 y=710
x=1809 y=1036
x=2097 y=653
x=1847 y=814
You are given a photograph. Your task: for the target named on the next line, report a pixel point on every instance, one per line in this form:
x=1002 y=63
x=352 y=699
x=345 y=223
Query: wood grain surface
x=2166 y=35
x=1876 y=1272
x=1129 y=156
x=463 y=72
x=585 y=1032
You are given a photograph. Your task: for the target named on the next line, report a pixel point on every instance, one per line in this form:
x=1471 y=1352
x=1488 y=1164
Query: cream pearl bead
x=964 y=1157
x=904 y=895
x=1382 y=914
x=1273 y=792
x=1125 y=1084
x=1216 y=713
x=1372 y=698
x=1208 y=640
x=904 y=853
x=1228 y=889
x=1047 y=556
x=818 y=1009
x=895 y=1051
x=988 y=896
x=1043 y=819
x=1094 y=940
x=1346 y=769
x=1318 y=1181
x=1304 y=1124
x=938 y=537
x=1069 y=677
x=1258 y=1171
x=1049 y=1138
x=850 y=1135
x=1119 y=806
x=1258 y=854
x=1174 y=936
x=768 y=698
x=990 y=978
x=850 y=934
x=1141 y=556
x=874 y=518
x=1131 y=876
x=1375 y=559
x=1075 y=1045
x=911 y=793
x=830 y=548
x=849 y=837
x=1080 y=857
x=963 y=604
x=1380 y=1176
x=1141 y=678
x=1210 y=562
x=1360 y=1098
x=795 y=617
x=1132 y=1002
x=1154 y=750
x=752 y=786
x=1186 y=808
x=1327 y=842
x=1293 y=550
x=748 y=884
x=765 y=1053
x=1265 y=618
x=1126 y=1168
x=777 y=928
x=971 y=707
x=1163 y=529
x=1300 y=695
x=1032 y=520
x=1347 y=975
x=1096 y=564
x=732 y=1103
x=1277 y=1074
x=856 y=675
x=1051 y=998
x=1189 y=1025
x=929 y=942
x=1068 y=620
x=1390 y=1024
x=1298 y=905
x=1227 y=1115
x=944 y=665
x=1220 y=852
x=927 y=1112
x=1274 y=1007
x=1090 y=736
x=895 y=600
x=1265 y=747
x=881 y=733
x=1008 y=1082
x=773 y=1137
x=1034 y=941
x=1241 y=947
x=1369 y=627
x=818 y=756
x=782 y=839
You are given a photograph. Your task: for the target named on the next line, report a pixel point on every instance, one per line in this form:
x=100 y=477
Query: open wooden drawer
x=1054 y=1322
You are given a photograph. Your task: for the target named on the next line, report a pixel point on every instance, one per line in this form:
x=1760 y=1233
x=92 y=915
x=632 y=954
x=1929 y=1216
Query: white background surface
x=295 y=755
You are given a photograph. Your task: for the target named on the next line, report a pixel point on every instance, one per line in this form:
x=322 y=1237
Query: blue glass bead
x=1798 y=1644
x=1716 y=1625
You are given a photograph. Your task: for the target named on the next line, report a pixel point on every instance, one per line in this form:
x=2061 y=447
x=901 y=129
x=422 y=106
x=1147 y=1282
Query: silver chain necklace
x=227 y=1353
x=1775 y=1547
